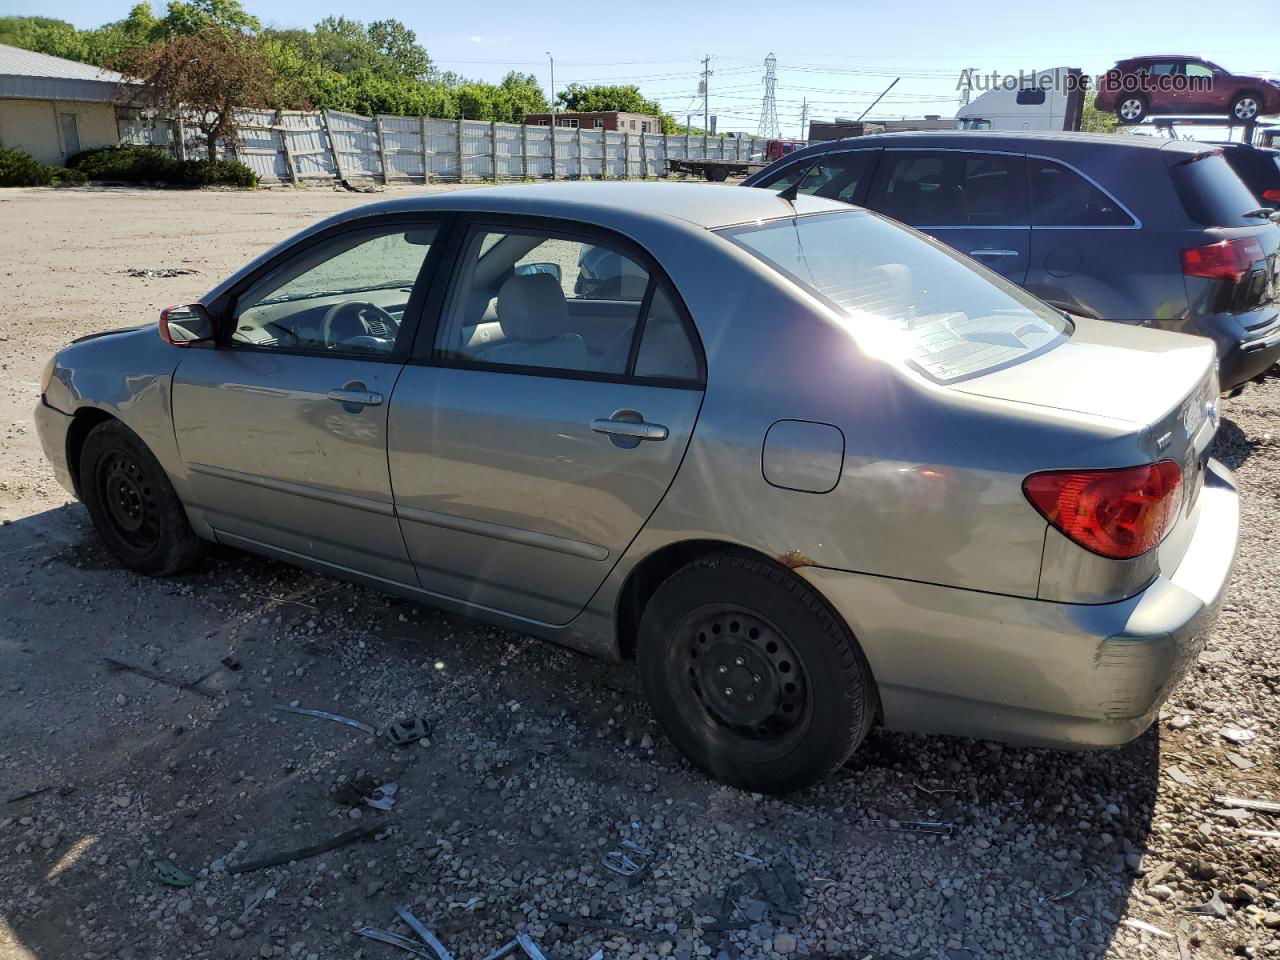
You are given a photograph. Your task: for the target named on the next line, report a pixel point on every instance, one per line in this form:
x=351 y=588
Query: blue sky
x=837 y=55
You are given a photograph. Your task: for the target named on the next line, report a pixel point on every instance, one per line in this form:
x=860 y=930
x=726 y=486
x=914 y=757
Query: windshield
x=910 y=297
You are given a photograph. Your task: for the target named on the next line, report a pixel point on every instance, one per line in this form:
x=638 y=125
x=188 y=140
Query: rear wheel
x=1245 y=107
x=1131 y=108
x=717 y=174
x=752 y=676
x=132 y=503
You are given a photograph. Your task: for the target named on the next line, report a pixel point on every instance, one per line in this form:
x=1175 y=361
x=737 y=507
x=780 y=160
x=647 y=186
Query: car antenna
x=793 y=191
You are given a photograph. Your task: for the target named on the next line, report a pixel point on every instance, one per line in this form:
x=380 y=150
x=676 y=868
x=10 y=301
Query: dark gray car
x=1115 y=227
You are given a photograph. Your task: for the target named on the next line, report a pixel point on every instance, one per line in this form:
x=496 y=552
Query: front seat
x=535 y=326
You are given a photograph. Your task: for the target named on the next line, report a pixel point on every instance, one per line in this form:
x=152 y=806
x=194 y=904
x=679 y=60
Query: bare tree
x=204 y=77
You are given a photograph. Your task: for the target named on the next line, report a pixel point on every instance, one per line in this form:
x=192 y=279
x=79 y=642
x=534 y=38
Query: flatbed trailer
x=716 y=171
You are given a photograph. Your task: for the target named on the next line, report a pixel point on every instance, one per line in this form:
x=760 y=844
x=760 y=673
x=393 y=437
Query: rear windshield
x=1211 y=193
x=909 y=296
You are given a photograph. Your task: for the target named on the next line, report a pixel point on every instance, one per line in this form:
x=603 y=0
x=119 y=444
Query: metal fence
x=291 y=146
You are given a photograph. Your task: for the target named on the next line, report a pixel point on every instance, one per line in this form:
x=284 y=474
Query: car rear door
x=283 y=423
x=975 y=201
x=525 y=463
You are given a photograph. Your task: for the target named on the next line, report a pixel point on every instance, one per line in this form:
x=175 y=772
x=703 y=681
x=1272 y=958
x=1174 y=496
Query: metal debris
x=421 y=930
x=1145 y=927
x=595 y=923
x=623 y=864
x=172 y=874
x=1261 y=806
x=468 y=905
x=1237 y=734
x=529 y=947
x=326 y=715
x=395 y=940
x=937 y=827
x=934 y=791
x=159 y=272
x=401 y=733
x=303 y=853
x=747 y=857
x=116 y=665
x=254 y=900
x=1213 y=907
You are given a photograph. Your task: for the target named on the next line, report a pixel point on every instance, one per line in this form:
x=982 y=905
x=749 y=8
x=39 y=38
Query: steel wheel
x=1246 y=108
x=1131 y=109
x=744 y=673
x=129 y=500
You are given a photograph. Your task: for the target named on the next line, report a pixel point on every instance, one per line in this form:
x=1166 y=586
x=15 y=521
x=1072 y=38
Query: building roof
x=25 y=74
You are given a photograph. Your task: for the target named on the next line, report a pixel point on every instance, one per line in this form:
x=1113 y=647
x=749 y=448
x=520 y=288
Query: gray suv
x=1133 y=229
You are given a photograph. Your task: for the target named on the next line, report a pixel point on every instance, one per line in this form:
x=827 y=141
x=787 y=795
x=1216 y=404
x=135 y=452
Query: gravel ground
x=539 y=761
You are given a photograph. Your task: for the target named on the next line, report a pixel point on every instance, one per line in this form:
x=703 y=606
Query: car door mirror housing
x=526 y=269
x=186 y=324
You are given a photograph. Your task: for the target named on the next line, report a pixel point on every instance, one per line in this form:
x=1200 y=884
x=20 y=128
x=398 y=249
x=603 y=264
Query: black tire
x=1249 y=103
x=1132 y=108
x=717 y=174
x=132 y=503
x=750 y=624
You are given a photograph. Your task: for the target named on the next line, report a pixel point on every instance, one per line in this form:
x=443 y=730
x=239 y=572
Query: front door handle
x=625 y=428
x=362 y=398
x=993 y=253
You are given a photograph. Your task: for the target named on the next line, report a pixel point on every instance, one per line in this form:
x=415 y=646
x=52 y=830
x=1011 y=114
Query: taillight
x=1271 y=195
x=1116 y=513
x=1226 y=260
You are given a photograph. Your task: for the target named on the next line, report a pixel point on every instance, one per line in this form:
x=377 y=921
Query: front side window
x=1060 y=197
x=1199 y=70
x=527 y=298
x=347 y=294
x=952 y=189
x=907 y=298
x=838 y=176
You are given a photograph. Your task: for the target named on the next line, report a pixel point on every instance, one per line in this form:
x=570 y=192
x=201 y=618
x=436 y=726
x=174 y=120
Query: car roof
x=1012 y=139
x=702 y=204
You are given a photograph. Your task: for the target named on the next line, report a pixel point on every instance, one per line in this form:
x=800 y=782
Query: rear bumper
x=1243 y=353
x=52 y=426
x=1028 y=671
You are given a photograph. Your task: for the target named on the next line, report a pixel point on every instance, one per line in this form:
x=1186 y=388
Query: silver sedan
x=808 y=468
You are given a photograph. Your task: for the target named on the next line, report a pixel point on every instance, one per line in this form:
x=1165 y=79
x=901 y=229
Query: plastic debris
x=326 y=715
x=1213 y=907
x=747 y=857
x=395 y=940
x=937 y=827
x=401 y=733
x=384 y=797
x=303 y=853
x=1242 y=763
x=254 y=900
x=529 y=947
x=172 y=874
x=421 y=930
x=1145 y=927
x=1261 y=806
x=1178 y=775
x=1237 y=734
x=934 y=791
x=1271 y=834
x=158 y=272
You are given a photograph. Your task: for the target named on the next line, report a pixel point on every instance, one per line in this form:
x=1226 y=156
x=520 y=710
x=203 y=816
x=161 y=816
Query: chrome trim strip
x=349 y=500
x=500 y=531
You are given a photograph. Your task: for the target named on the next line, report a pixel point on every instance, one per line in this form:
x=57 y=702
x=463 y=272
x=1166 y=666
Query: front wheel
x=1245 y=107
x=1131 y=108
x=132 y=503
x=752 y=676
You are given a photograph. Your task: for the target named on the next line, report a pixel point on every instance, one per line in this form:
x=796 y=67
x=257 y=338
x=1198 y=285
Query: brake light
x=1271 y=194
x=1226 y=260
x=1119 y=514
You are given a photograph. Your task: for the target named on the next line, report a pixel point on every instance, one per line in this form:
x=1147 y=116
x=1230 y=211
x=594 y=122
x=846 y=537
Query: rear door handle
x=993 y=253
x=364 y=398
x=633 y=431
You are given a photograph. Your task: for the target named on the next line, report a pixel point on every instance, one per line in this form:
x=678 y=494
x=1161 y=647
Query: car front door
x=840 y=175
x=532 y=436
x=283 y=424
x=974 y=201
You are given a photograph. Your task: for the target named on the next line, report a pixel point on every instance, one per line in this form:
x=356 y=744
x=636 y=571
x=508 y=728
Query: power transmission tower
x=769 y=106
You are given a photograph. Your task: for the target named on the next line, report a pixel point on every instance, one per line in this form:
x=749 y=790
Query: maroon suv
x=1141 y=86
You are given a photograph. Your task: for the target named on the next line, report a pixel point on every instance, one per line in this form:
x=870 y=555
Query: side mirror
x=528 y=269
x=187 y=324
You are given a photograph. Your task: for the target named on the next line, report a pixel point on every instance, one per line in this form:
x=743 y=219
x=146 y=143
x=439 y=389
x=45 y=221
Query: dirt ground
x=539 y=761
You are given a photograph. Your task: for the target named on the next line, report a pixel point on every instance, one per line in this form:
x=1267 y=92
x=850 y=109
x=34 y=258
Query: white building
x=53 y=108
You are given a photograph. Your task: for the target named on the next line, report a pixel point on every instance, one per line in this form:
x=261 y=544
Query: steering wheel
x=356 y=318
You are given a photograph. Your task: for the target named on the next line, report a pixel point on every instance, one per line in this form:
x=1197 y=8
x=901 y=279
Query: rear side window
x=952 y=189
x=907 y=298
x=837 y=176
x=1211 y=193
x=1060 y=197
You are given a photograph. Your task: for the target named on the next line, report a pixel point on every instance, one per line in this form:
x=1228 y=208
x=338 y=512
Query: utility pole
x=553 y=90
x=804 y=119
x=706 y=92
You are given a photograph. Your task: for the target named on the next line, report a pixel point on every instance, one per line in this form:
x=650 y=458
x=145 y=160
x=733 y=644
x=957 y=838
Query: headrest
x=531 y=307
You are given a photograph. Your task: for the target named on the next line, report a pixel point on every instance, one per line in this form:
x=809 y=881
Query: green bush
x=134 y=164
x=18 y=169
x=64 y=177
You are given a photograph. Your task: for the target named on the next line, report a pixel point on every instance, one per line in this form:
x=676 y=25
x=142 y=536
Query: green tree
x=57 y=38
x=1093 y=120
x=580 y=98
x=186 y=17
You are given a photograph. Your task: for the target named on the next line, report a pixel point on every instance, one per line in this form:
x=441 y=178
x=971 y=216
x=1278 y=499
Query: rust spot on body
x=793 y=559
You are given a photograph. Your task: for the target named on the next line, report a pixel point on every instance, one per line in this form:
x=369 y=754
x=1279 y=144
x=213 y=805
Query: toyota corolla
x=810 y=469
